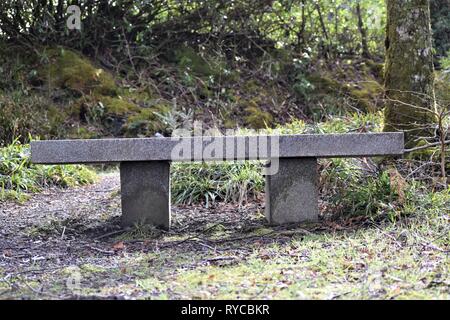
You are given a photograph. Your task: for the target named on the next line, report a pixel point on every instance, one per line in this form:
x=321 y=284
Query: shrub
x=22 y=114
x=19 y=177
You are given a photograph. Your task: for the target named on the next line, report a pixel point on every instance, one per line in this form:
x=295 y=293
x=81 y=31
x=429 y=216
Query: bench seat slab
x=145 y=191
x=291 y=193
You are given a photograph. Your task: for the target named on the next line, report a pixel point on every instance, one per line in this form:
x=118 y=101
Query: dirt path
x=59 y=229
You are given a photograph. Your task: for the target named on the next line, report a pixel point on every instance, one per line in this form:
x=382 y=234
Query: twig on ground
x=241 y=238
x=222 y=258
x=100 y=250
x=107 y=235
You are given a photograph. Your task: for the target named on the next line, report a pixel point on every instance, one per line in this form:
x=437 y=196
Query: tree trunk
x=409 y=71
x=301 y=32
x=327 y=46
x=362 y=31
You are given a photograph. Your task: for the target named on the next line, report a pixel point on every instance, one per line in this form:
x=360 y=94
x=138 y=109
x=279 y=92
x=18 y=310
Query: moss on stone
x=257 y=118
x=118 y=106
x=323 y=83
x=66 y=69
x=141 y=96
x=80 y=132
x=364 y=93
x=146 y=121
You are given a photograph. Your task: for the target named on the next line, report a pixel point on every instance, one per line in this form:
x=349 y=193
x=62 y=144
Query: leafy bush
x=18 y=176
x=445 y=61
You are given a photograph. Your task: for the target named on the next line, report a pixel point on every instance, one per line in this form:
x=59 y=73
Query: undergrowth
x=19 y=177
x=355 y=187
x=210 y=182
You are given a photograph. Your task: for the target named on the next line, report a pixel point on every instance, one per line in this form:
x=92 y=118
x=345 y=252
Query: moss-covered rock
x=67 y=69
x=256 y=118
x=83 y=132
x=365 y=93
x=323 y=83
x=118 y=106
x=362 y=88
x=146 y=122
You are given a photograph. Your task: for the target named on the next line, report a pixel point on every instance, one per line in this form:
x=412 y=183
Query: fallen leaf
x=119 y=246
x=7 y=253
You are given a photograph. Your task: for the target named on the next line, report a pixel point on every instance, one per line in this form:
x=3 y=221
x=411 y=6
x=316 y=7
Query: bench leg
x=145 y=190
x=291 y=194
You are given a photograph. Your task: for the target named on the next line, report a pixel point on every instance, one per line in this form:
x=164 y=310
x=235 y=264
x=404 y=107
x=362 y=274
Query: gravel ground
x=61 y=228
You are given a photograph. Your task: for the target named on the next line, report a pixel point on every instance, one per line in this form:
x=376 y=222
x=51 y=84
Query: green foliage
x=356 y=193
x=442 y=86
x=365 y=122
x=445 y=61
x=147 y=121
x=191 y=61
x=248 y=28
x=440 y=23
x=210 y=182
x=14 y=62
x=19 y=177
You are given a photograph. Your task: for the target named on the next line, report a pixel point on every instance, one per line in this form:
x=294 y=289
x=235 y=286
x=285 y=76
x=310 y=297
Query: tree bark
x=327 y=46
x=409 y=71
x=362 y=31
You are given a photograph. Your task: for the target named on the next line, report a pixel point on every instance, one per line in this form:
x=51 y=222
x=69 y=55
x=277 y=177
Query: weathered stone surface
x=216 y=148
x=145 y=190
x=291 y=194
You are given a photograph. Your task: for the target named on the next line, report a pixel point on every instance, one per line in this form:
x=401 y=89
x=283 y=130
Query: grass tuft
x=19 y=177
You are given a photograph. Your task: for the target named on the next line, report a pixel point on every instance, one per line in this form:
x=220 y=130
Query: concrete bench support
x=291 y=194
x=145 y=188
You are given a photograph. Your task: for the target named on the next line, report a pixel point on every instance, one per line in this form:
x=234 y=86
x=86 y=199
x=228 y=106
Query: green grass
x=210 y=182
x=406 y=259
x=19 y=177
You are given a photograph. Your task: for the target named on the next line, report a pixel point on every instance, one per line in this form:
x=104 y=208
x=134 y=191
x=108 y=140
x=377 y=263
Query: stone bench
x=291 y=177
